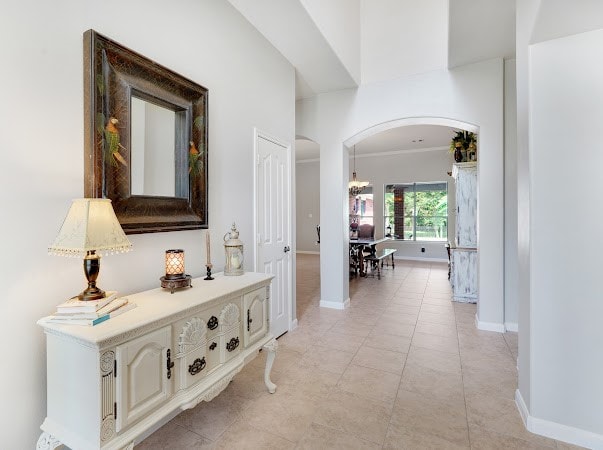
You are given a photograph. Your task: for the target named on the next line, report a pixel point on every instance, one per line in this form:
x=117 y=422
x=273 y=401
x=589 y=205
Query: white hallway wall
x=472 y=94
x=511 y=269
x=307 y=203
x=250 y=84
x=565 y=395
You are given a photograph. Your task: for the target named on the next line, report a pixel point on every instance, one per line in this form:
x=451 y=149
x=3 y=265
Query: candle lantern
x=174 y=271
x=233 y=247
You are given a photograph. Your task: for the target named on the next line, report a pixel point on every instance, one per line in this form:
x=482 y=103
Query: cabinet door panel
x=256 y=316
x=466 y=201
x=142 y=382
x=464 y=275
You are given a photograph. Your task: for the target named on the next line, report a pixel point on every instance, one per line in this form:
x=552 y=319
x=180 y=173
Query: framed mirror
x=145 y=139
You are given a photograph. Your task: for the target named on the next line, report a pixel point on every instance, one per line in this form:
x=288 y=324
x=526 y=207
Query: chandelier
x=355 y=187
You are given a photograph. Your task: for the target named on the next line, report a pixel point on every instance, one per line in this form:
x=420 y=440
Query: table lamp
x=90 y=227
x=175 y=278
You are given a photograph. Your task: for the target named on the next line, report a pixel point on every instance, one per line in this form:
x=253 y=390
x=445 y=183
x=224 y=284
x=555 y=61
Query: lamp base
x=91 y=270
x=176 y=282
x=91 y=294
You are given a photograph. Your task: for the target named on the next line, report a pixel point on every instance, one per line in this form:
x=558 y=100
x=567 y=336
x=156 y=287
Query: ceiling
x=397 y=140
x=480 y=30
x=342 y=44
x=287 y=25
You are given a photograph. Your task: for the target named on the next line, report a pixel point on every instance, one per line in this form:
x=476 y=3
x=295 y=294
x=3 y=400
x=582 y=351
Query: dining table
x=358 y=247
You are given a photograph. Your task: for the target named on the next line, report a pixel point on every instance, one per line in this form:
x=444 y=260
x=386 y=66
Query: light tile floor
x=402 y=368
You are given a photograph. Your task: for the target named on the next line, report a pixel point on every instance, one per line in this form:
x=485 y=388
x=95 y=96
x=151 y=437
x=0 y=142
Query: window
x=361 y=207
x=417 y=211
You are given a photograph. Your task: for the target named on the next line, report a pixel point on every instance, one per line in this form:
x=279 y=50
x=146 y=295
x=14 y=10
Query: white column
x=334 y=237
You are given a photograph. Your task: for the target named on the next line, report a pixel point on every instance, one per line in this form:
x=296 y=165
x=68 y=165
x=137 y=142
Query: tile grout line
x=462 y=373
x=403 y=367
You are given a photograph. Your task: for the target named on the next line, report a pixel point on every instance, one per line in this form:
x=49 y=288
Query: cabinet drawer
x=212 y=318
x=212 y=354
x=193 y=367
x=230 y=327
x=231 y=344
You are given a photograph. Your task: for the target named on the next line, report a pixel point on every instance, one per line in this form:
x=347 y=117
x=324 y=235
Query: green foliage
x=195 y=162
x=100 y=123
x=100 y=83
x=463 y=139
x=428 y=208
x=112 y=140
x=389 y=204
x=198 y=123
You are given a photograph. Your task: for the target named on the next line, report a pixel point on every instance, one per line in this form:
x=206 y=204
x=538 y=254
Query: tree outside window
x=417 y=211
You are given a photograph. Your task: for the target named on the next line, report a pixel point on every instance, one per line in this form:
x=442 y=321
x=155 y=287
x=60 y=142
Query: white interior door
x=273 y=255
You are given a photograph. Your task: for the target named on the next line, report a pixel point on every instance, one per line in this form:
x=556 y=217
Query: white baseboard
x=511 y=326
x=521 y=406
x=293 y=325
x=557 y=431
x=305 y=252
x=418 y=258
x=335 y=305
x=489 y=326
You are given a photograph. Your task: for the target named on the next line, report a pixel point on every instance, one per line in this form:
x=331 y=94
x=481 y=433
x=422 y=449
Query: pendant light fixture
x=355 y=187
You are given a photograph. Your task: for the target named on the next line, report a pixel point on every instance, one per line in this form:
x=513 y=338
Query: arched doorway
x=407 y=121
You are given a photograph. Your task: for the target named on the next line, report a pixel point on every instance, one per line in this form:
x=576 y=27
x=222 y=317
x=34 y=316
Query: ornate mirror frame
x=112 y=75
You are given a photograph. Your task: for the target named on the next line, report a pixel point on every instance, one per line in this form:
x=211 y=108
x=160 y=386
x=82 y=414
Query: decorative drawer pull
x=234 y=343
x=169 y=364
x=249 y=320
x=213 y=346
x=197 y=366
x=212 y=323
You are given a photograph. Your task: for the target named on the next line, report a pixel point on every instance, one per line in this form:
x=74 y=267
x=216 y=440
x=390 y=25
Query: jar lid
x=233 y=238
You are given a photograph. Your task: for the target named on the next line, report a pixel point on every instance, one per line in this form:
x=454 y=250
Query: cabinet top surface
x=466 y=166
x=156 y=304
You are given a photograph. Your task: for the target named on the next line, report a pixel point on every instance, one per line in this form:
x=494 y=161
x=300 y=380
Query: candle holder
x=208 y=277
x=175 y=278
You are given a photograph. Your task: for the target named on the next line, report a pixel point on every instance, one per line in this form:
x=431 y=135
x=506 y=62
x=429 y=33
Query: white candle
x=207 y=245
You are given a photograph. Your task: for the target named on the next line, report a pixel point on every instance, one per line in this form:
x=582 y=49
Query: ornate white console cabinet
x=463 y=255
x=109 y=384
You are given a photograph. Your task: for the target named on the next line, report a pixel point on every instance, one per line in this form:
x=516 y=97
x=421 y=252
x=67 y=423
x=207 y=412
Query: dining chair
x=366 y=231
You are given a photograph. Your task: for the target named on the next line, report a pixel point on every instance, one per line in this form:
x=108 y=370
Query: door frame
x=257 y=134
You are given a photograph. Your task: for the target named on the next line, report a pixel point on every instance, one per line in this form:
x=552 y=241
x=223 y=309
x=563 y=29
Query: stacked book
x=91 y=312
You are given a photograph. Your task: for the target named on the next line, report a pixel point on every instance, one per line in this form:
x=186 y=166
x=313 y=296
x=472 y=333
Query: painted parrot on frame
x=112 y=142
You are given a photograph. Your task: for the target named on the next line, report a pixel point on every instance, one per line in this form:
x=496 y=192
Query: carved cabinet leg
x=271 y=347
x=47 y=442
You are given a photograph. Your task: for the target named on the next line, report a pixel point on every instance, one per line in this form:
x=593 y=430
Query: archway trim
x=384 y=126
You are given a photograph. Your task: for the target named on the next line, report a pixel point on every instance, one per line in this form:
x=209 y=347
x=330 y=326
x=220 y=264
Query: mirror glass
x=153 y=149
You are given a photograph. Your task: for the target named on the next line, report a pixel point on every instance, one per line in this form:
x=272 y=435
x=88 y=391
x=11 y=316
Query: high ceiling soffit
x=560 y=18
x=479 y=30
x=402 y=37
x=287 y=25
